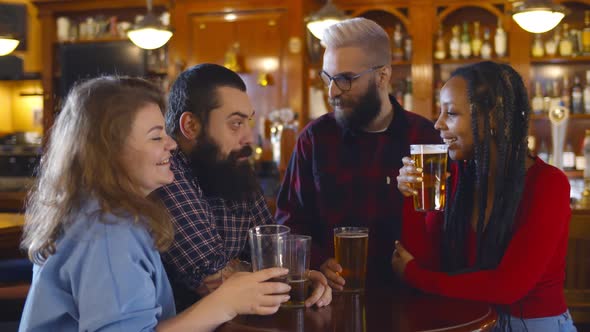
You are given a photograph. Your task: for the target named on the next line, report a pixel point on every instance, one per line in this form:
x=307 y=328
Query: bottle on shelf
x=556 y=93
x=577 y=97
x=408 y=48
x=465 y=42
x=408 y=95
x=569 y=157
x=566 y=93
x=476 y=41
x=552 y=43
x=543 y=151
x=548 y=96
x=500 y=40
x=537 y=103
x=587 y=94
x=398 y=53
x=538 y=50
x=586 y=33
x=486 y=47
x=440 y=47
x=565 y=44
x=455 y=43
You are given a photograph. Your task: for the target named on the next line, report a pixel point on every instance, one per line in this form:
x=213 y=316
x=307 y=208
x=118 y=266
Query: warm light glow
x=7 y=45
x=317 y=28
x=230 y=17
x=538 y=21
x=149 y=38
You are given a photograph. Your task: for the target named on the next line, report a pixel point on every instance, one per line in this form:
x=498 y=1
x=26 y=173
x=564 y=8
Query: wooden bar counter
x=380 y=310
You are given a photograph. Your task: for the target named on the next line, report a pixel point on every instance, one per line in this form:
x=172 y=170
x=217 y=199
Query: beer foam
x=428 y=149
x=352 y=235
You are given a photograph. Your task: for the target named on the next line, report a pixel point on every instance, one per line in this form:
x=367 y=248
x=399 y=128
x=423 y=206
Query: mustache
x=244 y=152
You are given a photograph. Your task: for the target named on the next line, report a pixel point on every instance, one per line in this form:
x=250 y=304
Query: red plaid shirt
x=340 y=178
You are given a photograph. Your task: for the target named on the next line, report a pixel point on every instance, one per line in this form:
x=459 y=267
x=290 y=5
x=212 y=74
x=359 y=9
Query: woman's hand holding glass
x=409 y=175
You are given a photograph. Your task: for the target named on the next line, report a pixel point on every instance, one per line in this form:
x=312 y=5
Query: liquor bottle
x=500 y=40
x=440 y=49
x=538 y=50
x=566 y=93
x=476 y=42
x=547 y=97
x=408 y=48
x=577 y=99
x=587 y=93
x=586 y=33
x=543 y=152
x=465 y=42
x=455 y=43
x=408 y=95
x=569 y=157
x=486 y=47
x=398 y=53
x=537 y=102
x=565 y=44
x=551 y=44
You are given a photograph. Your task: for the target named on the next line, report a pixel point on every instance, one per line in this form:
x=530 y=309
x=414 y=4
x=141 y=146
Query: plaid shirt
x=340 y=178
x=209 y=231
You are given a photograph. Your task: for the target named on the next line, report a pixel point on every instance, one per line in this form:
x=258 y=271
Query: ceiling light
x=149 y=33
x=7 y=45
x=323 y=18
x=537 y=16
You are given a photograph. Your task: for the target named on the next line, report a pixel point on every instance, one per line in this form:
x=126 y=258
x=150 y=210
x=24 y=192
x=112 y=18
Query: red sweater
x=531 y=275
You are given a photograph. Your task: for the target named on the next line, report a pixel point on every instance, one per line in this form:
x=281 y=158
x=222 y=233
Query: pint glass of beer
x=268 y=246
x=297 y=261
x=351 y=247
x=432 y=159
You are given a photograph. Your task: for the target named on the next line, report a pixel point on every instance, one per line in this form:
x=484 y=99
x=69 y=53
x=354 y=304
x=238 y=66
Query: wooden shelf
x=572 y=116
x=560 y=60
x=468 y=61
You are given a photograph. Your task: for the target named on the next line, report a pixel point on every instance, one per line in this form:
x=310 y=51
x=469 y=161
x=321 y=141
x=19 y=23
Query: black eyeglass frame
x=345 y=78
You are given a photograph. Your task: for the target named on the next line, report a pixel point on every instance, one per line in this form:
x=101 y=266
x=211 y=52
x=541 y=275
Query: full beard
x=227 y=178
x=361 y=115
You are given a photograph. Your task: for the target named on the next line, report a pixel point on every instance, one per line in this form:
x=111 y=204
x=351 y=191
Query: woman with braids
x=95 y=237
x=502 y=238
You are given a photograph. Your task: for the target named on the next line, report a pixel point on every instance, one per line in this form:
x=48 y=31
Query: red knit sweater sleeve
x=543 y=223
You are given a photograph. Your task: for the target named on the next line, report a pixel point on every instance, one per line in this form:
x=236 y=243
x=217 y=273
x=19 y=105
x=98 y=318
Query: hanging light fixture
x=7 y=44
x=537 y=16
x=149 y=33
x=323 y=18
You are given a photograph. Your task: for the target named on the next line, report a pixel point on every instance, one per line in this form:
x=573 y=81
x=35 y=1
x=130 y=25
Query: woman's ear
x=190 y=126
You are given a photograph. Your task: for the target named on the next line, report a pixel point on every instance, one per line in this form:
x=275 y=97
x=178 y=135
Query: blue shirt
x=105 y=275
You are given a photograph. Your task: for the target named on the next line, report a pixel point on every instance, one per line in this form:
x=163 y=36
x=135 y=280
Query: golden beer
x=433 y=161
x=351 y=247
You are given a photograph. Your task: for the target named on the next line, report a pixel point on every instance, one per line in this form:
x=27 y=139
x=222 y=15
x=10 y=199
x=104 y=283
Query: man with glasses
x=344 y=167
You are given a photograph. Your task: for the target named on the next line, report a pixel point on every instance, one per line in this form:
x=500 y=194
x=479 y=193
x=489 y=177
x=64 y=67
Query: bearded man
x=215 y=197
x=344 y=167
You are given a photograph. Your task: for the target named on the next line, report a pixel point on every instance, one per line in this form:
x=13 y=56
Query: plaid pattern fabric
x=340 y=178
x=209 y=231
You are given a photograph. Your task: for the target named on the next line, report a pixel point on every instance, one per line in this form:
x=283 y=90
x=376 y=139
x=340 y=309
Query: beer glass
x=268 y=247
x=432 y=159
x=351 y=247
x=297 y=261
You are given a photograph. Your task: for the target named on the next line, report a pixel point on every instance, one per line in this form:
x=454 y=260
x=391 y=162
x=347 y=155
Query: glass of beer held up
x=297 y=261
x=432 y=159
x=351 y=246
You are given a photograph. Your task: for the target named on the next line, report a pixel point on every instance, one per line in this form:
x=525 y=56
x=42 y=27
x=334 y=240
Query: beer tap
x=558 y=115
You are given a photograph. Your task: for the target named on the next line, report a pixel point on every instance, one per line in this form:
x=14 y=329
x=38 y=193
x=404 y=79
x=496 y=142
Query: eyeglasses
x=344 y=81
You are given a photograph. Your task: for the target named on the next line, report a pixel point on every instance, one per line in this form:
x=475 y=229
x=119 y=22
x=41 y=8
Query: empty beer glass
x=268 y=247
x=297 y=261
x=432 y=159
x=351 y=247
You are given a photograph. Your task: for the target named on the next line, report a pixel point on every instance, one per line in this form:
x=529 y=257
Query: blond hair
x=83 y=160
x=362 y=33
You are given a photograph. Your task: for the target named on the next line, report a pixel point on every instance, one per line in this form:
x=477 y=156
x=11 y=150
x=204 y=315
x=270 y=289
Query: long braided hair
x=499 y=102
